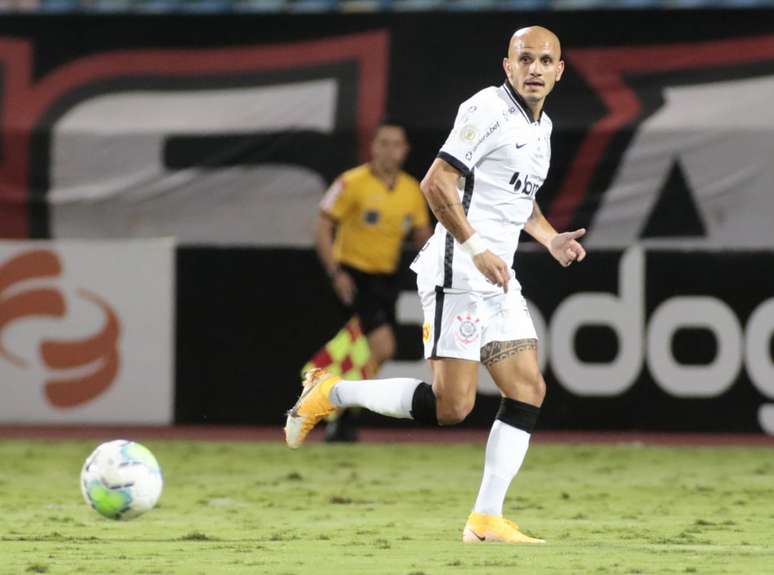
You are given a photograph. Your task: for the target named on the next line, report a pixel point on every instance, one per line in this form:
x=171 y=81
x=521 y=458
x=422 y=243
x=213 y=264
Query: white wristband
x=474 y=245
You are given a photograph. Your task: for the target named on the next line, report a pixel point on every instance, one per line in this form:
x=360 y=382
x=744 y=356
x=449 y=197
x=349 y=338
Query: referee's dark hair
x=392 y=122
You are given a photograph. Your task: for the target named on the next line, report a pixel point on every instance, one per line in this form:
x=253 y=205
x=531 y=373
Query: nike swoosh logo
x=519 y=147
x=477 y=535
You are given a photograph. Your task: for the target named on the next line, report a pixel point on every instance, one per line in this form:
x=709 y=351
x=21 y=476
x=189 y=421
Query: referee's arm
x=323 y=236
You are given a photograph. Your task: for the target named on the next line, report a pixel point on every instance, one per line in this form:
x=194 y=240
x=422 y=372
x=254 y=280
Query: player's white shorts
x=459 y=323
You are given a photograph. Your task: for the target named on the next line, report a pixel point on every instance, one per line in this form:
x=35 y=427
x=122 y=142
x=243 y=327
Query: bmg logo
x=524 y=185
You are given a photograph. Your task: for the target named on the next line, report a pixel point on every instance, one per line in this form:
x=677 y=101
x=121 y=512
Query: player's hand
x=494 y=269
x=344 y=286
x=566 y=249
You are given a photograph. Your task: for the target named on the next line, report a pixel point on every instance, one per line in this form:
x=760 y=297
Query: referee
x=364 y=217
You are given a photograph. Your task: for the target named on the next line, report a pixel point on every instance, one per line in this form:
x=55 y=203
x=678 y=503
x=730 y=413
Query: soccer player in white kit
x=482 y=189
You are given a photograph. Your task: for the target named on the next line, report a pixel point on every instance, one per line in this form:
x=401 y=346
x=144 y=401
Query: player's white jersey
x=504 y=156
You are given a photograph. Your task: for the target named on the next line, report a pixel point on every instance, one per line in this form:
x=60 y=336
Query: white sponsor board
x=87 y=332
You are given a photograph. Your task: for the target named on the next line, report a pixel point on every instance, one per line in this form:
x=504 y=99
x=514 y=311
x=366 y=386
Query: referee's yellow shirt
x=372 y=218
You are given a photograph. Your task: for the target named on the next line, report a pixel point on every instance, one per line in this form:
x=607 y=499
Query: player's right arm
x=439 y=187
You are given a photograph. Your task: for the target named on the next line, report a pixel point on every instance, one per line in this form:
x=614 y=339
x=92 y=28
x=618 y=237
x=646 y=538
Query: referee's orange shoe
x=482 y=528
x=311 y=407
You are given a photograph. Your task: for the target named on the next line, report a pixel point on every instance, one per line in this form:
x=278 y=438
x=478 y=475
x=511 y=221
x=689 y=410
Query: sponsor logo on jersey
x=425 y=332
x=491 y=130
x=525 y=185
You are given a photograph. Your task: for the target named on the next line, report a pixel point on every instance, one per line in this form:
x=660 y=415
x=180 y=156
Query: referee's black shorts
x=375 y=298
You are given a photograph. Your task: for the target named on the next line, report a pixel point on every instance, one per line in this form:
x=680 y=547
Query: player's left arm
x=564 y=247
x=421 y=235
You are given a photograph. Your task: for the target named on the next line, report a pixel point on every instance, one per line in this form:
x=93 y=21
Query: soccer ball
x=121 y=479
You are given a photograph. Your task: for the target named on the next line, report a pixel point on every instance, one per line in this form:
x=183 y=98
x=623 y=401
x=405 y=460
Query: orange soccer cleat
x=482 y=528
x=311 y=407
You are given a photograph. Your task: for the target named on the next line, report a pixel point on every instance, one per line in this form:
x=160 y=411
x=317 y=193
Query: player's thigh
x=454 y=386
x=452 y=340
x=509 y=349
x=514 y=368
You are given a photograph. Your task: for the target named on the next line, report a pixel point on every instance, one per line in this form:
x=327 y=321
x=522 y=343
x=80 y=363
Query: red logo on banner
x=609 y=72
x=37 y=102
x=98 y=351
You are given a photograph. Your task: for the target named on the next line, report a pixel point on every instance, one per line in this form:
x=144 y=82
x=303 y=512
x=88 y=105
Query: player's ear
x=507 y=67
x=559 y=70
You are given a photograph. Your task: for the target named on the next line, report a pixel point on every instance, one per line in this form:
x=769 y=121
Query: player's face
x=389 y=148
x=533 y=66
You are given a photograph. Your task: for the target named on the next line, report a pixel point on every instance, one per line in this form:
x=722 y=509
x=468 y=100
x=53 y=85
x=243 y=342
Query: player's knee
x=531 y=388
x=538 y=387
x=453 y=410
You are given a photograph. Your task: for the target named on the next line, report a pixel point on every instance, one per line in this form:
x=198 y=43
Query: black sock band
x=423 y=404
x=517 y=414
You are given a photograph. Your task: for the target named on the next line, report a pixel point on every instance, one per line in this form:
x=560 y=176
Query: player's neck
x=535 y=108
x=389 y=177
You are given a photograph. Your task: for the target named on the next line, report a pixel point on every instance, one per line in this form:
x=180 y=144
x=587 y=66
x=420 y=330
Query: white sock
x=505 y=451
x=390 y=397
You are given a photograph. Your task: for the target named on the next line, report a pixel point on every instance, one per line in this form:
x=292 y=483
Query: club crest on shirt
x=467 y=329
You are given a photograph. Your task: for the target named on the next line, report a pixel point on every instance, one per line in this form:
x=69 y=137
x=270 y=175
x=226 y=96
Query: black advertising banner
x=658 y=340
x=667 y=340
x=224 y=132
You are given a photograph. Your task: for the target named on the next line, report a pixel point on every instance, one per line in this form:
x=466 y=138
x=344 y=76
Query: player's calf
x=438 y=408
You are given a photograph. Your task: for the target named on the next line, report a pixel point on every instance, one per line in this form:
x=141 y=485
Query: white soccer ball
x=121 y=479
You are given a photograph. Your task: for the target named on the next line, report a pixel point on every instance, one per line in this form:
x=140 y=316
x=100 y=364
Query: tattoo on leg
x=496 y=351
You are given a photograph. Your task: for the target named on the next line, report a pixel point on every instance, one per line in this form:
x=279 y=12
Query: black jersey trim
x=448 y=260
x=470 y=181
x=521 y=103
x=448 y=252
x=438 y=319
x=454 y=162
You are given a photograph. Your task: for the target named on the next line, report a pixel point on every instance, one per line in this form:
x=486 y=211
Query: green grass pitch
x=394 y=509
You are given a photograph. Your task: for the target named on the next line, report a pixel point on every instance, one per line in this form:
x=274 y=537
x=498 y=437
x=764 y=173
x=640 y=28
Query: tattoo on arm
x=443 y=207
x=496 y=351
